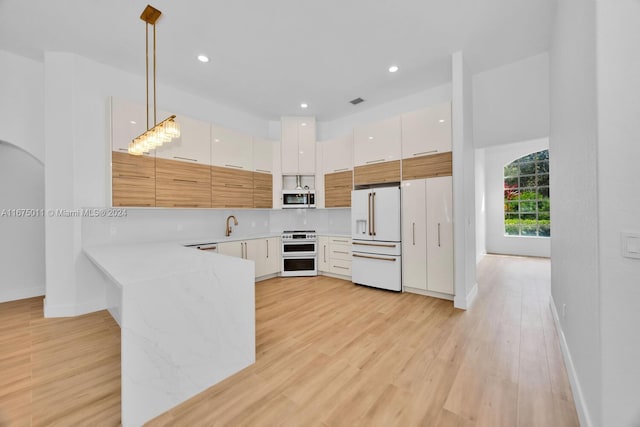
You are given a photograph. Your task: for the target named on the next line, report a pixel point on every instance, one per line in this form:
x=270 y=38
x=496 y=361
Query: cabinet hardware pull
x=374 y=257
x=414 y=234
x=339 y=266
x=425 y=152
x=341 y=252
x=262 y=170
x=374 y=161
x=123 y=149
x=375 y=244
x=341 y=241
x=185 y=158
x=438 y=234
x=190 y=181
x=267 y=248
x=132 y=176
x=232 y=185
x=341 y=170
x=182 y=205
x=324 y=252
x=234 y=166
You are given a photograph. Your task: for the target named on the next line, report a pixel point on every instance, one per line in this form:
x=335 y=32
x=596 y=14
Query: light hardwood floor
x=329 y=353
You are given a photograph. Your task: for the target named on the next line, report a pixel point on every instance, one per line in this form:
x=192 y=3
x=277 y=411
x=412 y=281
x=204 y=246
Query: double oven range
x=299 y=253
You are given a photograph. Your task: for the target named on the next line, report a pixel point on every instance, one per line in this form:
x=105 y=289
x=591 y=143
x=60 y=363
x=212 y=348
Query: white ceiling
x=268 y=56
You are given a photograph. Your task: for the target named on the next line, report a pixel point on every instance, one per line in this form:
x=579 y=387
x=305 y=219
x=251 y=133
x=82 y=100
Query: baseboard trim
x=21 y=293
x=576 y=389
x=72 y=310
x=428 y=293
x=464 y=302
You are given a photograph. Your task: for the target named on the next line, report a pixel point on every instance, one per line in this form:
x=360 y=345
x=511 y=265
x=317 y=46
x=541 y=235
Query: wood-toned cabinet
x=427 y=235
x=337 y=189
x=231 y=148
x=377 y=142
x=298 y=147
x=182 y=185
x=263 y=252
x=133 y=180
x=378 y=173
x=231 y=188
x=262 y=190
x=426 y=131
x=193 y=145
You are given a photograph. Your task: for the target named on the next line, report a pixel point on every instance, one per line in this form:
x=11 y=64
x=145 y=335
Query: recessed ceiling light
x=304 y=105
x=303 y=124
x=133 y=122
x=203 y=58
x=216 y=140
x=393 y=68
x=370 y=137
x=441 y=121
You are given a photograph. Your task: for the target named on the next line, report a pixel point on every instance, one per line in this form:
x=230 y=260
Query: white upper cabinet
x=337 y=154
x=377 y=142
x=193 y=145
x=231 y=149
x=263 y=155
x=298 y=145
x=128 y=120
x=426 y=131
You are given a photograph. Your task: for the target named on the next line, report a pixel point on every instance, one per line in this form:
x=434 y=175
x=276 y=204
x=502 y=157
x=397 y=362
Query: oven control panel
x=298 y=235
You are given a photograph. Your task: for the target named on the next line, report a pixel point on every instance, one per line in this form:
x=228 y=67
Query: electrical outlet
x=564 y=310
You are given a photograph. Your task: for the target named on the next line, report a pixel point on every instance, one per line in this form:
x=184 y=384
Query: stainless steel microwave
x=298 y=199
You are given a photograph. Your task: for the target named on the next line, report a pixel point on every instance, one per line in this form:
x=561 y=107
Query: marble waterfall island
x=187 y=321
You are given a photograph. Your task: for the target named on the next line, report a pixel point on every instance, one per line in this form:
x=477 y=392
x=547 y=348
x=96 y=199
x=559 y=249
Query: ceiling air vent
x=356 y=101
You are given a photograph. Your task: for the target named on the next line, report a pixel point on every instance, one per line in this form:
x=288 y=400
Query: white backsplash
x=157 y=225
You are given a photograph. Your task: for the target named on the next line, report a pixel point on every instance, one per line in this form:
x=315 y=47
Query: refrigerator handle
x=369 y=214
x=373 y=213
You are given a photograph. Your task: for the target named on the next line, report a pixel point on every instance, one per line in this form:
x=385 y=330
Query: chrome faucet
x=228 y=229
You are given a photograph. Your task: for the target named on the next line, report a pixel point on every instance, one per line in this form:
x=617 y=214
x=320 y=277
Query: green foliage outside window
x=526 y=196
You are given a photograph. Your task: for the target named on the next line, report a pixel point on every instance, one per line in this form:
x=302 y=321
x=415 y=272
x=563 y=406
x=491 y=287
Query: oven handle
x=374 y=257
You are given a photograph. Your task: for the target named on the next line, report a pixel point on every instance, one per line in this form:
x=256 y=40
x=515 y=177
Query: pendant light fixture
x=167 y=129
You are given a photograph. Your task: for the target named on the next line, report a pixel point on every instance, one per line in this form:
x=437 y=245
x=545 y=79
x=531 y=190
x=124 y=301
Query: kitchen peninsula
x=187 y=321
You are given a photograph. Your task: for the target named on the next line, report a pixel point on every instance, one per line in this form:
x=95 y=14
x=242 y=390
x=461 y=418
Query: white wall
x=495 y=160
x=22 y=243
x=464 y=201
x=22 y=103
x=344 y=125
x=481 y=205
x=574 y=200
x=77 y=159
x=618 y=71
x=511 y=103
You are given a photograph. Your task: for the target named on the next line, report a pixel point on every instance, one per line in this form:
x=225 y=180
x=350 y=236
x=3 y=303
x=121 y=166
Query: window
x=526 y=196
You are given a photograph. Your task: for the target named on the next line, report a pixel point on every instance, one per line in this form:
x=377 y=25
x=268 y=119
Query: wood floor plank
x=328 y=353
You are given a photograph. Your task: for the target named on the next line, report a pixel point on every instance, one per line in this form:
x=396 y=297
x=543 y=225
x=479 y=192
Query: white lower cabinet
x=334 y=255
x=265 y=253
x=427 y=235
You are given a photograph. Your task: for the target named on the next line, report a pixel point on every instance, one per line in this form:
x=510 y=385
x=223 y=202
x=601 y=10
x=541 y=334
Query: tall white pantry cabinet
x=427 y=235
